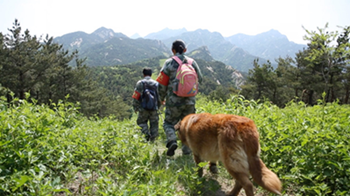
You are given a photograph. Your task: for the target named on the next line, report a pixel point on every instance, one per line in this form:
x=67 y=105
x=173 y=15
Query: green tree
x=321 y=67
x=323 y=63
x=261 y=82
x=343 y=55
x=288 y=80
x=18 y=71
x=50 y=73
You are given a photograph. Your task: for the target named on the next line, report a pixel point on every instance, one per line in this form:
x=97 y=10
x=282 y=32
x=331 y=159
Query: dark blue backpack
x=149 y=97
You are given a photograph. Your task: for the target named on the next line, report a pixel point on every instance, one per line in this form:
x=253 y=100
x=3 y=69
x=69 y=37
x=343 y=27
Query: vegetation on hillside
x=50 y=73
x=58 y=151
x=40 y=67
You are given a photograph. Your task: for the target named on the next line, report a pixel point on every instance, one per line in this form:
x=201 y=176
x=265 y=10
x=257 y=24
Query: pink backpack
x=186 y=75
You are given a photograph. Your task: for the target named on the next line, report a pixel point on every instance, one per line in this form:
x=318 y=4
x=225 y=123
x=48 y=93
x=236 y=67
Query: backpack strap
x=189 y=61
x=143 y=84
x=177 y=59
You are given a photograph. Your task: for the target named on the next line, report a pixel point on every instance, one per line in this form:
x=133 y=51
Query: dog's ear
x=177 y=125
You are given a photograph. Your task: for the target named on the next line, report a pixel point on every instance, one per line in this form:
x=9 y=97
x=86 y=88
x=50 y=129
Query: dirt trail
x=225 y=184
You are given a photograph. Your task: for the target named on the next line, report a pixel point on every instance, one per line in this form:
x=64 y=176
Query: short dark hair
x=147 y=71
x=179 y=46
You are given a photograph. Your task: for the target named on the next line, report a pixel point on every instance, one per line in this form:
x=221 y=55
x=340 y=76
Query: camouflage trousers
x=172 y=116
x=151 y=131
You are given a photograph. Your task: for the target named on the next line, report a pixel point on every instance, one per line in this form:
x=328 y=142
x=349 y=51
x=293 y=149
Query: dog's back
x=232 y=139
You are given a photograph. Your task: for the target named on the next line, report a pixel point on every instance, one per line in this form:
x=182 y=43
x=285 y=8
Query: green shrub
x=56 y=151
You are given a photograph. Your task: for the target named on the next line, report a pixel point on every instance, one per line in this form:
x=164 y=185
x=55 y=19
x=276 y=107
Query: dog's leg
x=242 y=181
x=235 y=189
x=212 y=167
x=238 y=168
x=198 y=160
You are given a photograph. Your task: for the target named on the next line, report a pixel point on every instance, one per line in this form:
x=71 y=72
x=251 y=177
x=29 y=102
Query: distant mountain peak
x=269 y=45
x=165 y=33
x=274 y=31
x=201 y=53
x=135 y=36
x=273 y=34
x=104 y=33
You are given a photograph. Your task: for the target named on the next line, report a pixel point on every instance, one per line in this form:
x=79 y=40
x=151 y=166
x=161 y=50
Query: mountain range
x=268 y=45
x=106 y=47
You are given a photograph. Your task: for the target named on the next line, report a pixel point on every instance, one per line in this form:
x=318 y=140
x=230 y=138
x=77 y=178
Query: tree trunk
x=347 y=94
x=21 y=86
x=310 y=101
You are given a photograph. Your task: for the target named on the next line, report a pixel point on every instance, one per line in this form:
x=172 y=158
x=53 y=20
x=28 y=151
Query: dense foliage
x=308 y=147
x=57 y=151
x=323 y=66
x=29 y=64
x=41 y=68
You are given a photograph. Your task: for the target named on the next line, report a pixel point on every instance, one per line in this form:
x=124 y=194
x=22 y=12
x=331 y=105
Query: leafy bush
x=56 y=151
x=308 y=147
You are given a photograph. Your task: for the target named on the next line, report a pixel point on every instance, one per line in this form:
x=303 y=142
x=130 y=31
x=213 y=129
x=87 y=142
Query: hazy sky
x=228 y=17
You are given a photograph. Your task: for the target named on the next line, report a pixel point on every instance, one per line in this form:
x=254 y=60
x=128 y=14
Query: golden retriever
x=233 y=140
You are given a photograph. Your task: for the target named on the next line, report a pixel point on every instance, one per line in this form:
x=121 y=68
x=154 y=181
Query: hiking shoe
x=152 y=139
x=171 y=149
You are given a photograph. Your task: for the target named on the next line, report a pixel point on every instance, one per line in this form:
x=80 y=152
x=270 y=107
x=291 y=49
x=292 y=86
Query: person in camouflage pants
x=176 y=107
x=151 y=132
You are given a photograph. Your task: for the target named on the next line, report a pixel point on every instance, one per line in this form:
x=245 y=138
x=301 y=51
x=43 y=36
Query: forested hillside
x=81 y=40
x=119 y=51
x=105 y=47
x=45 y=71
x=218 y=82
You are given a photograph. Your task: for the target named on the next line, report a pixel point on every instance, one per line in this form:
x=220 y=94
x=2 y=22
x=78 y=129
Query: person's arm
x=163 y=80
x=136 y=103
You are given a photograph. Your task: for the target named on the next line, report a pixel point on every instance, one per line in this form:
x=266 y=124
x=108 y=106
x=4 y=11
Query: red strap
x=163 y=79
x=136 y=95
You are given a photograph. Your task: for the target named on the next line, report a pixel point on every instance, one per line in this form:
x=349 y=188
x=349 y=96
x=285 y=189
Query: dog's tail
x=264 y=176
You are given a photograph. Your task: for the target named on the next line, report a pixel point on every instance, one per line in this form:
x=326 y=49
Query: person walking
x=177 y=107
x=146 y=102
